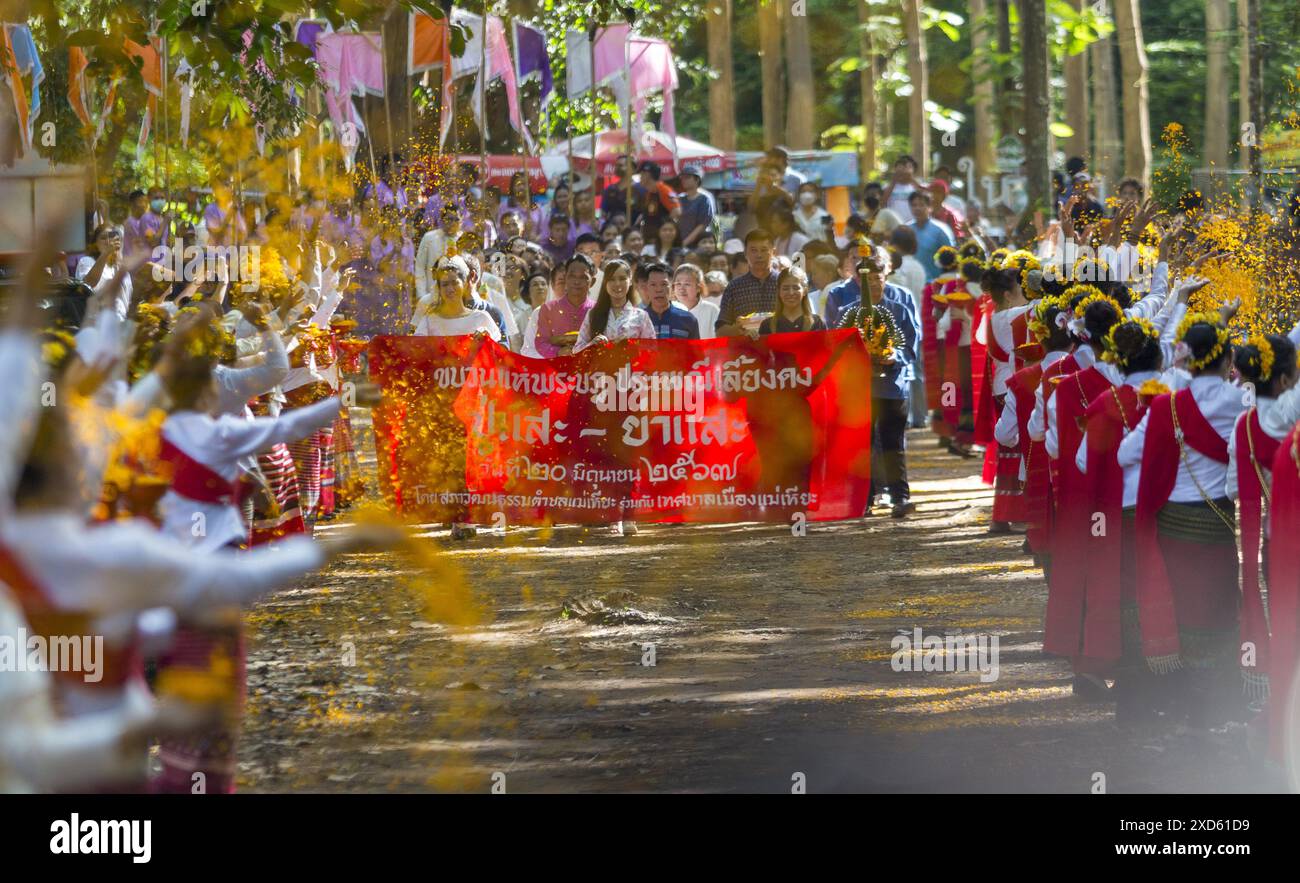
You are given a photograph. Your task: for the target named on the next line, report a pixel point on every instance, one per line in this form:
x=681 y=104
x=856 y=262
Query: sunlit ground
x=771 y=656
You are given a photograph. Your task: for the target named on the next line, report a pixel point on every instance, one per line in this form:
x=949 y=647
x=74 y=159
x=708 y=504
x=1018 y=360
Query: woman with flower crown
x=1267 y=365
x=1095 y=314
x=934 y=349
x=1107 y=630
x=1049 y=318
x=1009 y=344
x=206 y=457
x=1186 y=529
x=963 y=356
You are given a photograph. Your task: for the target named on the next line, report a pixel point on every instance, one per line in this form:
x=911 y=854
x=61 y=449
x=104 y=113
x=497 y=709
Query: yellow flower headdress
x=1153 y=388
x=972 y=249
x=970 y=263
x=1086 y=271
x=945 y=255
x=1091 y=294
x=1266 y=357
x=1109 y=351
x=998 y=256
x=1038 y=315
x=1025 y=262
x=1021 y=260
x=1211 y=319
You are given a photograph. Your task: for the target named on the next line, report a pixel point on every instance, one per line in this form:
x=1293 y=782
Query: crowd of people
x=195 y=434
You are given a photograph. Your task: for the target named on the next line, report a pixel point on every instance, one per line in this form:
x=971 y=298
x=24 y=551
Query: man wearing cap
x=698 y=209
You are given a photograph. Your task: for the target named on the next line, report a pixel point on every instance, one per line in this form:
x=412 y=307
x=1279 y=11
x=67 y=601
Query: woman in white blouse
x=616 y=315
x=99 y=270
x=445 y=313
x=688 y=290
x=538 y=290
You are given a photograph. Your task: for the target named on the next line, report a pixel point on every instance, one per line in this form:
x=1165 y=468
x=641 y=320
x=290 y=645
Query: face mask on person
x=157 y=205
x=807 y=199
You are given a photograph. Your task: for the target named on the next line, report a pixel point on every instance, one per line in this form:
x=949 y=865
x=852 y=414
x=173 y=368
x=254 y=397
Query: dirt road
x=771 y=667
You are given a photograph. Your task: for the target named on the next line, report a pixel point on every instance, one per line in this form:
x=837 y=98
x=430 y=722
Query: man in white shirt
x=899 y=194
x=433 y=245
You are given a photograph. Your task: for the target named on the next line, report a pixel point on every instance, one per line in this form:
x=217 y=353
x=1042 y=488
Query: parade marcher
x=559 y=320
x=1186 y=529
x=794 y=312
x=1267 y=362
x=1104 y=629
x=1049 y=319
x=752 y=292
x=616 y=314
x=889 y=312
x=670 y=321
x=688 y=290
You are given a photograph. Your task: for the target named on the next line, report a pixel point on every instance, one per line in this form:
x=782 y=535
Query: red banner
x=728 y=429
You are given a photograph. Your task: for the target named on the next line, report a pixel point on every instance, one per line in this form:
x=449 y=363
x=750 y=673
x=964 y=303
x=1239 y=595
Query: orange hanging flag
x=77 y=64
x=151 y=73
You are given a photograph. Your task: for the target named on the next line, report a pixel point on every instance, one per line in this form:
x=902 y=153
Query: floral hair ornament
x=1021 y=260
x=1038 y=315
x=1081 y=309
x=1221 y=334
x=1110 y=352
x=1153 y=388
x=1266 y=357
x=945 y=255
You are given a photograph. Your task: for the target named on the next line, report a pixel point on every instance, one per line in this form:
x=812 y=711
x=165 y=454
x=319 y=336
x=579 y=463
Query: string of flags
x=633 y=67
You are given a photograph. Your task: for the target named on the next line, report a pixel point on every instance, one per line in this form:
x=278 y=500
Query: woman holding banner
x=617 y=312
x=444 y=314
x=620 y=317
x=794 y=311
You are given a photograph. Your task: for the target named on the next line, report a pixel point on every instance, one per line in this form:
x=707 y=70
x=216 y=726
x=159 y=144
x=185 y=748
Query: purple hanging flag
x=307 y=32
x=531 y=59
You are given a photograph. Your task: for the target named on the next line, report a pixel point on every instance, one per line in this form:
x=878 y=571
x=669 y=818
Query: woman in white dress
x=445 y=314
x=616 y=315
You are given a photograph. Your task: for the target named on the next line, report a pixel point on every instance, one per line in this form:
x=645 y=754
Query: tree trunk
x=884 y=109
x=1076 y=99
x=1037 y=103
x=1218 y=20
x=1256 y=107
x=982 y=100
x=769 y=46
x=1133 y=69
x=1243 y=78
x=801 y=109
x=722 y=95
x=1007 y=102
x=867 y=85
x=1105 y=101
x=918 y=123
x=397 y=86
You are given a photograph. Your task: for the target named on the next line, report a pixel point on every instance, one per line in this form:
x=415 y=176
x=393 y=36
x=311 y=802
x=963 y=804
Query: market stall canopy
x=829 y=168
x=652 y=145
